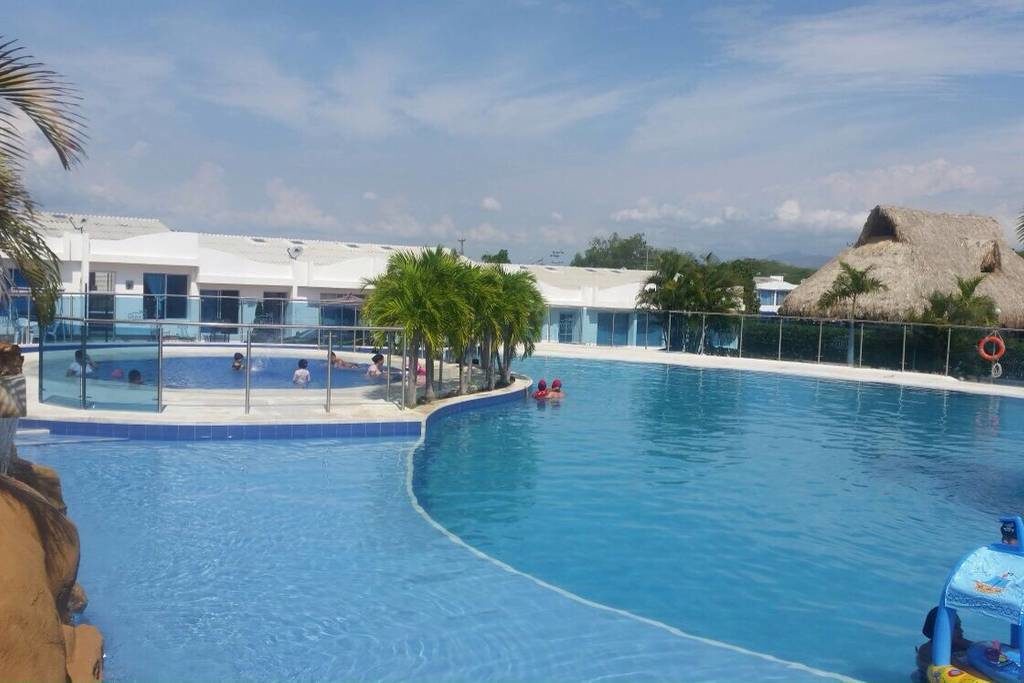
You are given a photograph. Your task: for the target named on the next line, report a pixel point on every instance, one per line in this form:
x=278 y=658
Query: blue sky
x=758 y=129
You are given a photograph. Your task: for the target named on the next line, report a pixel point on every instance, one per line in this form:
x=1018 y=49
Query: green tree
x=37 y=92
x=420 y=294
x=521 y=317
x=850 y=284
x=500 y=256
x=763 y=267
x=616 y=251
x=962 y=307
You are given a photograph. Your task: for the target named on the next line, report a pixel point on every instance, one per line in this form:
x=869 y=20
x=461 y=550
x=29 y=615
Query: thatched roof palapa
x=916 y=253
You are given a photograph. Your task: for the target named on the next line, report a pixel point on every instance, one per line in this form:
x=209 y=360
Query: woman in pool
x=134 y=377
x=342 y=364
x=238 y=362
x=376 y=368
x=542 y=390
x=301 y=377
x=556 y=389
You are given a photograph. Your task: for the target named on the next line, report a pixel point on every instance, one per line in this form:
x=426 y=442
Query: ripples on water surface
x=791 y=516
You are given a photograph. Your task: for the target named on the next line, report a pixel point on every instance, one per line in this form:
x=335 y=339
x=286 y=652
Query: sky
x=751 y=129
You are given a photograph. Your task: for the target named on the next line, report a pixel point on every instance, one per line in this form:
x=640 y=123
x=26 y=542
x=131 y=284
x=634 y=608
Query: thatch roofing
x=916 y=253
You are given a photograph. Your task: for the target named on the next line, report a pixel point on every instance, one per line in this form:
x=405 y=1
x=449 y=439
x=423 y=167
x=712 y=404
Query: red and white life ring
x=994 y=355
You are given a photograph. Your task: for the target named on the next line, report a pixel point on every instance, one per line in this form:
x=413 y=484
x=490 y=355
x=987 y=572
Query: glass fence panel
x=722 y=335
x=760 y=337
x=122 y=375
x=966 y=363
x=649 y=330
x=836 y=344
x=800 y=339
x=926 y=349
x=58 y=354
x=880 y=345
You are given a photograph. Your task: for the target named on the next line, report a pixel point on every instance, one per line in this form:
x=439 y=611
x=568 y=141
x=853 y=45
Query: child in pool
x=542 y=390
x=376 y=368
x=341 y=363
x=238 y=362
x=134 y=377
x=301 y=377
x=556 y=389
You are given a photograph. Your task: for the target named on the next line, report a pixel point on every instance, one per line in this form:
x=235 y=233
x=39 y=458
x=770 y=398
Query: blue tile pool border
x=243 y=431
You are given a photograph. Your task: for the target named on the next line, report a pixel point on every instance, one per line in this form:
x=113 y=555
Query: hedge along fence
x=908 y=346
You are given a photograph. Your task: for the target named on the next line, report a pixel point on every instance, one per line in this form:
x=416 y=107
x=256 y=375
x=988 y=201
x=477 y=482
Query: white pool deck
x=814 y=370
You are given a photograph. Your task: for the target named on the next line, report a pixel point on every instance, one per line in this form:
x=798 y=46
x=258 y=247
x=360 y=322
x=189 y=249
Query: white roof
x=99 y=227
x=773 y=283
x=593 y=287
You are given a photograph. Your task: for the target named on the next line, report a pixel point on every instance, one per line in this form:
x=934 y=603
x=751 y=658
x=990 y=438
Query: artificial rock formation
x=38 y=589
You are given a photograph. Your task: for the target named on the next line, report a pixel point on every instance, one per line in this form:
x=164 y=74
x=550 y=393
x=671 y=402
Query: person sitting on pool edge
x=134 y=377
x=341 y=363
x=81 y=365
x=556 y=389
x=301 y=376
x=238 y=361
x=959 y=643
x=376 y=368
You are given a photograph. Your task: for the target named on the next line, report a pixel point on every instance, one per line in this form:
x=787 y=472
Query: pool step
x=33 y=432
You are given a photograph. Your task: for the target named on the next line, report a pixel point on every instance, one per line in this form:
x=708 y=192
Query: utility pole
x=462 y=246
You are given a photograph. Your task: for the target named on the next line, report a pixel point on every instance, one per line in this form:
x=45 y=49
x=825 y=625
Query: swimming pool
x=214 y=372
x=789 y=516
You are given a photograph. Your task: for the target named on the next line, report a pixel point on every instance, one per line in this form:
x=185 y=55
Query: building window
x=780 y=297
x=165 y=296
x=101 y=281
x=766 y=297
x=219 y=306
x=16 y=278
x=566 y=328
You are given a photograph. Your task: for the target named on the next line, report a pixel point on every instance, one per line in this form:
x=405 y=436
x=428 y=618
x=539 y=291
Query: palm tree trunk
x=506 y=362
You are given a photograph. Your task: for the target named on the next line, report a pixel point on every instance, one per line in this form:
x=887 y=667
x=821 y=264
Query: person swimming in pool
x=238 y=362
x=342 y=364
x=556 y=390
x=958 y=641
x=134 y=377
x=376 y=368
x=542 y=390
x=301 y=376
x=82 y=365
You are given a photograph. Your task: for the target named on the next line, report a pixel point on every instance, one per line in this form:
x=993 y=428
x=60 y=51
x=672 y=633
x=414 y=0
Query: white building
x=139 y=269
x=771 y=292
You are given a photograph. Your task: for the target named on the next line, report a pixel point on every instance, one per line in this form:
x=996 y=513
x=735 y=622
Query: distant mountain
x=802 y=259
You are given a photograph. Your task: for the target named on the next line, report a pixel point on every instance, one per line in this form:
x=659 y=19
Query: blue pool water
x=214 y=372
x=304 y=560
x=812 y=520
x=786 y=516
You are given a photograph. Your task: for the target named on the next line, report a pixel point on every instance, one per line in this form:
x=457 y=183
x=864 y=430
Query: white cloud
x=904 y=182
x=892 y=46
x=790 y=214
x=490 y=204
x=290 y=207
x=648 y=211
x=485 y=232
x=370 y=196
x=557 y=217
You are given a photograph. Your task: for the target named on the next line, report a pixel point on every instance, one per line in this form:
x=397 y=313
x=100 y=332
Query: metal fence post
x=780 y=339
x=160 y=369
x=903 y=355
x=248 y=369
x=821 y=329
x=742 y=318
x=387 y=380
x=949 y=340
x=668 y=342
x=860 y=358
x=85 y=361
x=330 y=368
x=42 y=354
x=405 y=358
x=703 y=332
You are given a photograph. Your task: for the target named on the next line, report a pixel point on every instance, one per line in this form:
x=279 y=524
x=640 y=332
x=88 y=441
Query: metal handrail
x=182 y=322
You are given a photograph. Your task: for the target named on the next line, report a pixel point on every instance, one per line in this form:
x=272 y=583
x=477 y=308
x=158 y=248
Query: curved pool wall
x=784 y=515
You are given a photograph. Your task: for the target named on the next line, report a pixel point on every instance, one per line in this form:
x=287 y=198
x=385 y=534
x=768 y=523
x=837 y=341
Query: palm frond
x=45 y=98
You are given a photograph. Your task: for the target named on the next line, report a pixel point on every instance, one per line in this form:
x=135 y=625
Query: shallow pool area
x=274 y=560
x=791 y=516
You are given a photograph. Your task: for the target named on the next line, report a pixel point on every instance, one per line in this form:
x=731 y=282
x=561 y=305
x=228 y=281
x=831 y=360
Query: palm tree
x=850 y=284
x=522 y=317
x=962 y=307
x=38 y=93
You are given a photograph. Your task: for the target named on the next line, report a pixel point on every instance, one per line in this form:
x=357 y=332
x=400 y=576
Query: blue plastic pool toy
x=989 y=580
